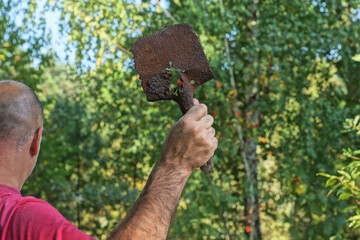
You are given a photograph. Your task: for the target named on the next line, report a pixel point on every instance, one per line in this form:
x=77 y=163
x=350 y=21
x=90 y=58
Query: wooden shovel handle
x=185 y=101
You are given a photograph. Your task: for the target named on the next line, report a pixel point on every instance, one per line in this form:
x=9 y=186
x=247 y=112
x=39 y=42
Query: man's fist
x=191 y=142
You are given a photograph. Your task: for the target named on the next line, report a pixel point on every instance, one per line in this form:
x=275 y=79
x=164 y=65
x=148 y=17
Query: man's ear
x=35 y=144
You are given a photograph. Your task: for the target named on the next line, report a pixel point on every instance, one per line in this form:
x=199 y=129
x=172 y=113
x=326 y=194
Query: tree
x=284 y=83
x=345 y=182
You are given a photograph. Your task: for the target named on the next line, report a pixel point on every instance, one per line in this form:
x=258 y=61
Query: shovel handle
x=185 y=105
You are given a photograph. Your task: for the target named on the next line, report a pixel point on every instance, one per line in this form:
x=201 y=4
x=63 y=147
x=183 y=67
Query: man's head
x=21 y=125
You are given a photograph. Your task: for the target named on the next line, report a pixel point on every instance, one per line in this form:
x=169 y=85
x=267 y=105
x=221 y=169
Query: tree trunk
x=252 y=210
x=247 y=146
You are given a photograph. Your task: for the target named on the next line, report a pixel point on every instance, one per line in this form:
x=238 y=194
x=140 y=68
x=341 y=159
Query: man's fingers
x=196 y=112
x=207 y=121
x=210 y=133
x=196 y=102
x=215 y=142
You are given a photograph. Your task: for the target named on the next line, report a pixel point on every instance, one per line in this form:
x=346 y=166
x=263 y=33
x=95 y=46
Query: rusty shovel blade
x=174 y=50
x=176 y=44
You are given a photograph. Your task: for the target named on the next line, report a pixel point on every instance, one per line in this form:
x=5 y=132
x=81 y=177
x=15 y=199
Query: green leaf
x=331 y=181
x=344 y=196
x=356 y=152
x=350 y=208
x=345 y=174
x=354 y=218
x=356 y=58
x=324 y=175
x=356 y=119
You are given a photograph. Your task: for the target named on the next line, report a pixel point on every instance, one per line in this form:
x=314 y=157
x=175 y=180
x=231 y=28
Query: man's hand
x=190 y=145
x=191 y=142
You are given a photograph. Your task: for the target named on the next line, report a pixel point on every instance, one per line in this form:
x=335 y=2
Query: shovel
x=172 y=64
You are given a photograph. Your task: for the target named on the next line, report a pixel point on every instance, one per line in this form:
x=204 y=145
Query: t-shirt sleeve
x=37 y=219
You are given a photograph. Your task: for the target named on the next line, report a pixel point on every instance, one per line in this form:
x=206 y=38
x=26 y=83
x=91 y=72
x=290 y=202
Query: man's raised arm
x=190 y=144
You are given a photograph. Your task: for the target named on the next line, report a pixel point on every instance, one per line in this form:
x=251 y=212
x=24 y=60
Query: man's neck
x=9 y=177
x=10 y=183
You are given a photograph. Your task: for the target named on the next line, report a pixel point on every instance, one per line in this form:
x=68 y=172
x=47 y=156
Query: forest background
x=285 y=98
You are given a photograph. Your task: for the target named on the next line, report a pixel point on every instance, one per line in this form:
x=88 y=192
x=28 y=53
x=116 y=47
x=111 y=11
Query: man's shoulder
x=35 y=208
x=16 y=208
x=9 y=196
x=29 y=203
x=34 y=218
x=33 y=201
x=10 y=204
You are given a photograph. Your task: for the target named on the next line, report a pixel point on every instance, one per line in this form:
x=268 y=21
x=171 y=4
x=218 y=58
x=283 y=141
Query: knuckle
x=203 y=139
x=185 y=122
x=216 y=142
x=197 y=127
x=197 y=130
x=211 y=118
x=203 y=107
x=208 y=143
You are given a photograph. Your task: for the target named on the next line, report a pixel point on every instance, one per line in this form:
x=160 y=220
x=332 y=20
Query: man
x=189 y=145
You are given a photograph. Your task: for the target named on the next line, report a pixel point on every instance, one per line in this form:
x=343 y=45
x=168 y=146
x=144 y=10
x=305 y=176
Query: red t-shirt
x=31 y=218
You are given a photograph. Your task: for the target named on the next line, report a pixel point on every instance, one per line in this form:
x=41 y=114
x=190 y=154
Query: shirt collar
x=9 y=189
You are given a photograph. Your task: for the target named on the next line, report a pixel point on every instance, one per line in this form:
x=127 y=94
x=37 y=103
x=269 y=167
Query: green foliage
x=295 y=72
x=175 y=80
x=345 y=184
x=21 y=44
x=356 y=58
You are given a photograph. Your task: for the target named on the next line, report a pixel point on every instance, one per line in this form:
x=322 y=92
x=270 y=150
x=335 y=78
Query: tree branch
x=167 y=13
x=124 y=50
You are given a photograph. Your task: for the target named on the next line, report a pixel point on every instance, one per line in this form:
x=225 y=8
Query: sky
x=59 y=40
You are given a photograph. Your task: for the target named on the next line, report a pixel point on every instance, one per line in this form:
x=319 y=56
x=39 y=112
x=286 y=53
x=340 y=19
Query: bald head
x=21 y=113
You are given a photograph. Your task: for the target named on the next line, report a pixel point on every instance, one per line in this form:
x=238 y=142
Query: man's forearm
x=151 y=216
x=190 y=144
